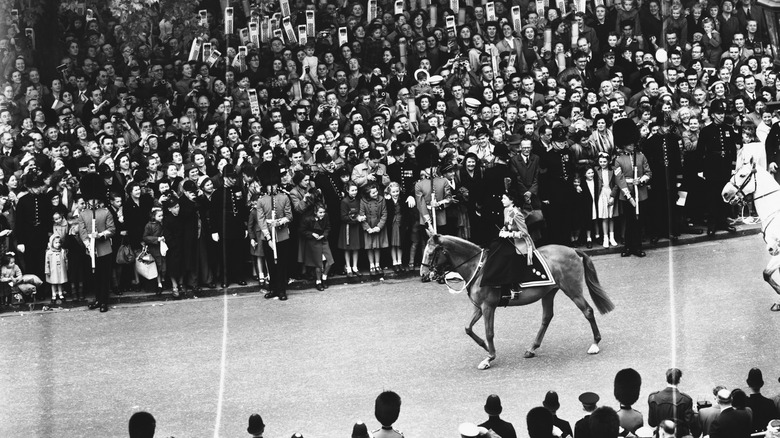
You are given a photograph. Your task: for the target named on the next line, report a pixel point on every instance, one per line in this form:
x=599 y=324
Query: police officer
x=228 y=215
x=33 y=223
x=663 y=153
x=557 y=188
x=718 y=148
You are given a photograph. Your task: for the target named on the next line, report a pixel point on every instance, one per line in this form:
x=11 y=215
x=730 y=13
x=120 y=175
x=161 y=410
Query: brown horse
x=568 y=266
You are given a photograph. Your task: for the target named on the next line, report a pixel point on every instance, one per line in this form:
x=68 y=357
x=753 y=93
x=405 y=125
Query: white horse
x=766 y=195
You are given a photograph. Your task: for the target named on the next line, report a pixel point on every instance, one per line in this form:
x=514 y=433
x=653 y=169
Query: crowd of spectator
x=671 y=413
x=259 y=155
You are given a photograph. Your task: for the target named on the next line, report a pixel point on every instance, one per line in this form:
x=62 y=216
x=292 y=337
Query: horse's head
x=433 y=256
x=739 y=185
x=773 y=248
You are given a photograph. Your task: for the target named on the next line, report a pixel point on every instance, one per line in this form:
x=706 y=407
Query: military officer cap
x=468 y=430
x=589 y=399
x=472 y=103
x=514 y=139
x=609 y=52
x=435 y=80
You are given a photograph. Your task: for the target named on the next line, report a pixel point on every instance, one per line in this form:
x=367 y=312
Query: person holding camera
x=633 y=173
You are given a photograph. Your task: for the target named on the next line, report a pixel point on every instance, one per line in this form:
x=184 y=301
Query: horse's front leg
x=547 y=316
x=770 y=272
x=470 y=331
x=489 y=311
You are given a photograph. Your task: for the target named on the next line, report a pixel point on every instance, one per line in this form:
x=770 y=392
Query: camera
x=701 y=404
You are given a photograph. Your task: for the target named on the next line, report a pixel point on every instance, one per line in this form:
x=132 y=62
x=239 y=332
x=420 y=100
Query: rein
x=438 y=271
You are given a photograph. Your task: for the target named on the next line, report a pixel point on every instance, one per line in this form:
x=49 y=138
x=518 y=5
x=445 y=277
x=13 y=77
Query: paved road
x=315 y=363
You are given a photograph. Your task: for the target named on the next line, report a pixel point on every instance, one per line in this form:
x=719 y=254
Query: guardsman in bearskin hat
x=628 y=382
x=386 y=410
x=632 y=173
x=718 y=148
x=96 y=224
x=432 y=193
x=229 y=214
x=276 y=214
x=33 y=223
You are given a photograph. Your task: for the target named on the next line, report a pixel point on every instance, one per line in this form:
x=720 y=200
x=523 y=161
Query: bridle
x=437 y=270
x=741 y=187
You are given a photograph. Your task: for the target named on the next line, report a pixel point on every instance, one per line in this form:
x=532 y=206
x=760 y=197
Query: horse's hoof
x=775 y=307
x=485 y=364
x=529 y=354
x=594 y=349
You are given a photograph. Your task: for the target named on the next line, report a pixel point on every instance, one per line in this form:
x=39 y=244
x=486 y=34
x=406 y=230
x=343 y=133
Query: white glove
x=410 y=202
x=20 y=247
x=215 y=237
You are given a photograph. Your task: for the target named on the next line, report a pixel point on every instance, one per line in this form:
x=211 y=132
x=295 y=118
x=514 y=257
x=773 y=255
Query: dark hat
x=397 y=149
x=589 y=399
x=627 y=22
x=717 y=107
x=447 y=166
x=551 y=401
x=268 y=173
x=92 y=186
x=140 y=175
x=172 y=200
x=501 y=152
x=322 y=157
x=189 y=186
x=625 y=132
x=229 y=171
x=755 y=379
x=539 y=422
x=514 y=139
x=359 y=430
x=559 y=133
x=33 y=179
x=427 y=155
x=188 y=167
x=256 y=425
x=104 y=170
x=609 y=52
x=493 y=405
x=578 y=135
x=387 y=407
x=627 y=385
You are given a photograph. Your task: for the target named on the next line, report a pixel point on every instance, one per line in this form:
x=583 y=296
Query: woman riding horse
x=512 y=250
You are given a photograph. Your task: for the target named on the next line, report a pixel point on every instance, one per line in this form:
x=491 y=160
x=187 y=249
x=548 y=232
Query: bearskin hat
x=387 y=408
x=92 y=186
x=625 y=132
x=628 y=382
x=268 y=173
x=427 y=155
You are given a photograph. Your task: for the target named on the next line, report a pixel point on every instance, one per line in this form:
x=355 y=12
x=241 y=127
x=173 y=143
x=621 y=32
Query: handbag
x=145 y=265
x=125 y=255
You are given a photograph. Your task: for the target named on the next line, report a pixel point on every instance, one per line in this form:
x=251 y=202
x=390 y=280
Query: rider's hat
x=589 y=400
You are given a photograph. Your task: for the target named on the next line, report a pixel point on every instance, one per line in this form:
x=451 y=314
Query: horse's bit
x=433 y=266
x=744 y=184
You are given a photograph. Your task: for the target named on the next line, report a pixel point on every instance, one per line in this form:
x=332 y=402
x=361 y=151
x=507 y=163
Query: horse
x=568 y=266
x=766 y=196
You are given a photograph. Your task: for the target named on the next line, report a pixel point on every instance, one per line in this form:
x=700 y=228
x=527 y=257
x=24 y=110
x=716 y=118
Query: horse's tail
x=597 y=293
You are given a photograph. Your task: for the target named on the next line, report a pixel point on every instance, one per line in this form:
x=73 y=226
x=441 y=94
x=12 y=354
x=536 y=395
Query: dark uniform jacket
x=504 y=429
x=718 y=147
x=663 y=153
x=229 y=212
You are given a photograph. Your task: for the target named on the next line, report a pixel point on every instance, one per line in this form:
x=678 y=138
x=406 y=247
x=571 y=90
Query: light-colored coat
x=104 y=221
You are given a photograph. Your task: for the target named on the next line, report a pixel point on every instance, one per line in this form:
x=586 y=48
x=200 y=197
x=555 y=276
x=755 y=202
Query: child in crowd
x=372 y=206
x=13 y=283
x=256 y=238
x=607 y=190
x=316 y=252
x=394 y=216
x=56 y=268
x=350 y=236
x=173 y=233
x=588 y=195
x=153 y=237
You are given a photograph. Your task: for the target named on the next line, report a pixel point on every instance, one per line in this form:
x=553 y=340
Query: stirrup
x=515 y=293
